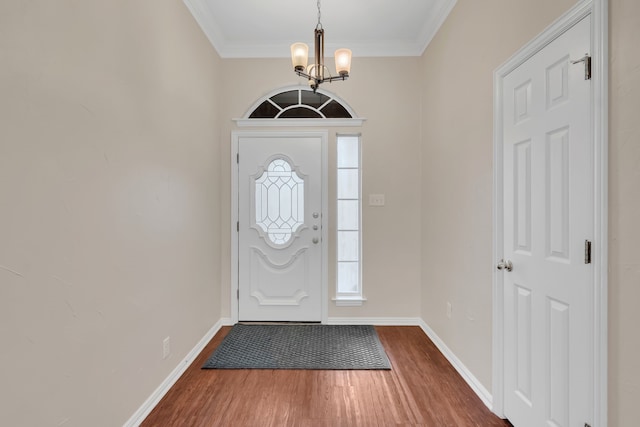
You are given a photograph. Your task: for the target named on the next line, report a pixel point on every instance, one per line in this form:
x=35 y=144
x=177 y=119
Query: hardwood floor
x=422 y=389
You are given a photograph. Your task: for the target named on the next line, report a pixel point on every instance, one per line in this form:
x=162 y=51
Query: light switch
x=376 y=199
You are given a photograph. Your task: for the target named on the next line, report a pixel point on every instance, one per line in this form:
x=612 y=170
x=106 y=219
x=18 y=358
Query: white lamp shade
x=343 y=61
x=299 y=56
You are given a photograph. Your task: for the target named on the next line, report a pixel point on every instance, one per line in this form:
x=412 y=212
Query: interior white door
x=548 y=187
x=280 y=223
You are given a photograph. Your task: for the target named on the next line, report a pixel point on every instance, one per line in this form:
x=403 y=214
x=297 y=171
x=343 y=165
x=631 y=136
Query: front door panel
x=280 y=223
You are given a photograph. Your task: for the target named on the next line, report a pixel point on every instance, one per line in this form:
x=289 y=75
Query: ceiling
x=266 y=28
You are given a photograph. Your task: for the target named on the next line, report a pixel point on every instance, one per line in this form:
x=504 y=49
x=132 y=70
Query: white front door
x=280 y=228
x=548 y=216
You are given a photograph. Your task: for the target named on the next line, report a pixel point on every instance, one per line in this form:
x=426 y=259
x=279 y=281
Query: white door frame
x=598 y=9
x=235 y=262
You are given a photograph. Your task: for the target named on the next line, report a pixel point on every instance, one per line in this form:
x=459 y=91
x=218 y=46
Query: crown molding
x=279 y=49
x=431 y=27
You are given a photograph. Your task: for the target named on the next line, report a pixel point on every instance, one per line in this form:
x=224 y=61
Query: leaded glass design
x=300 y=104
x=266 y=110
x=315 y=100
x=334 y=109
x=287 y=99
x=300 y=113
x=279 y=201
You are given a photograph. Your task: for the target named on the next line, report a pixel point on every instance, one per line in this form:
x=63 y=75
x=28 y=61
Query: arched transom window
x=300 y=106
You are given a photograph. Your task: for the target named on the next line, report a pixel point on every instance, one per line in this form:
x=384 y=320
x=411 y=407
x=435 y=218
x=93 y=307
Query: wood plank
x=421 y=389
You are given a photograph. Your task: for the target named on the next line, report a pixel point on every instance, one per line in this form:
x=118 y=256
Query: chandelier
x=317 y=73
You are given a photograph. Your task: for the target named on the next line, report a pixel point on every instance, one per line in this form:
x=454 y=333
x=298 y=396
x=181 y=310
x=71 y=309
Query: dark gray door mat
x=300 y=347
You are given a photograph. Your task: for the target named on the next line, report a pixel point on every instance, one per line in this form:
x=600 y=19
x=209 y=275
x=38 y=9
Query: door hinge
x=587 y=252
x=238 y=226
x=237 y=157
x=238 y=294
x=587 y=65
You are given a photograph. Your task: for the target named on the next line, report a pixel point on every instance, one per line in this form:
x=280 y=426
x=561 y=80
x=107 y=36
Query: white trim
x=227 y=321
x=460 y=367
x=245 y=121
x=435 y=21
x=304 y=88
x=205 y=19
x=600 y=81
x=256 y=49
x=235 y=262
x=138 y=417
x=299 y=122
x=348 y=302
x=378 y=321
x=552 y=32
x=396 y=48
x=598 y=11
x=464 y=372
x=325 y=226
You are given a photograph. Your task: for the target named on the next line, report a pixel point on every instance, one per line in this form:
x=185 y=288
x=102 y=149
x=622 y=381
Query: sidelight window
x=349 y=245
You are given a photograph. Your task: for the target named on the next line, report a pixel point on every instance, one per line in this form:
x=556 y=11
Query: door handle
x=315 y=240
x=505 y=265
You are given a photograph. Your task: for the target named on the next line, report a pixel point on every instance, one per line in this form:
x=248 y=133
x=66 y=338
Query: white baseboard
x=227 y=321
x=379 y=321
x=464 y=372
x=146 y=408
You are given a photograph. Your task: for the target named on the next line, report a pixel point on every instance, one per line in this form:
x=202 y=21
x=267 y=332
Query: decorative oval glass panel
x=279 y=201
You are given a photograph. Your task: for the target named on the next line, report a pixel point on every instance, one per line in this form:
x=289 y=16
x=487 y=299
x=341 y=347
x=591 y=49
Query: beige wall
x=457 y=180
x=109 y=217
x=457 y=158
x=115 y=124
x=391 y=240
x=624 y=212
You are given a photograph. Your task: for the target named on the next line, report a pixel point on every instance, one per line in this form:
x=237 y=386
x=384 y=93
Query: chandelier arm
x=334 y=78
x=318 y=73
x=319 y=81
x=303 y=74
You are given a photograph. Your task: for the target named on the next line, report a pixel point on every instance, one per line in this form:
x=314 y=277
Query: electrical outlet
x=449 y=309
x=166 y=347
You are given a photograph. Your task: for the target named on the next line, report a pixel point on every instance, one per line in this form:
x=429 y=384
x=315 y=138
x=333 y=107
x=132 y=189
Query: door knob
x=505 y=265
x=315 y=240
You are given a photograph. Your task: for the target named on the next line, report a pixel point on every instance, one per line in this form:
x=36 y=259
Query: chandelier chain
x=319 y=26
